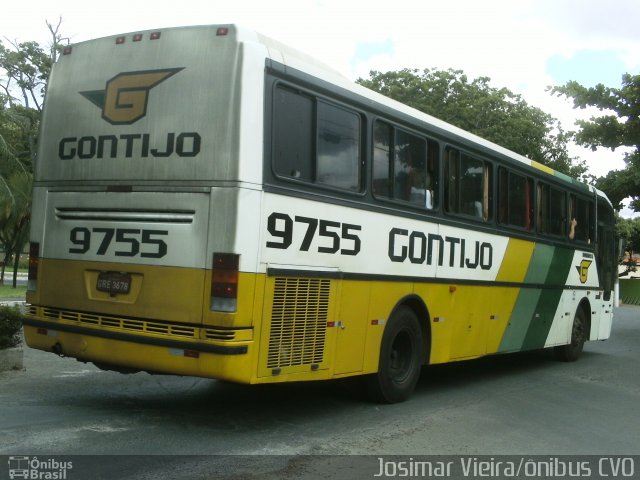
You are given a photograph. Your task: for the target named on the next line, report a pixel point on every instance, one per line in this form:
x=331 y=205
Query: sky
x=523 y=45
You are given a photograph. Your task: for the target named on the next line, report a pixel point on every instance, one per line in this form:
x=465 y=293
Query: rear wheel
x=400 y=354
x=572 y=351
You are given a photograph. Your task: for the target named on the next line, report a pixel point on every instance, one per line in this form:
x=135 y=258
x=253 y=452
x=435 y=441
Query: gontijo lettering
x=132 y=145
x=422 y=248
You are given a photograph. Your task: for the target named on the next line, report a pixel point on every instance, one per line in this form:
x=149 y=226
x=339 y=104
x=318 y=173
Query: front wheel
x=400 y=355
x=572 y=351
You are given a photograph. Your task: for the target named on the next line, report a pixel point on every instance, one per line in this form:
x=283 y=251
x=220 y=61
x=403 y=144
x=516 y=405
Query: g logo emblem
x=583 y=270
x=124 y=99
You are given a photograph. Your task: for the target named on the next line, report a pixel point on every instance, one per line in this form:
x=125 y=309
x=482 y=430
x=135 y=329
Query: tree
x=618 y=126
x=498 y=115
x=24 y=71
x=14 y=222
x=628 y=230
x=15 y=194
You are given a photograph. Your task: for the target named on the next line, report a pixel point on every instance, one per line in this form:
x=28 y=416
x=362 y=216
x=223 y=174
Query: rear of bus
x=136 y=248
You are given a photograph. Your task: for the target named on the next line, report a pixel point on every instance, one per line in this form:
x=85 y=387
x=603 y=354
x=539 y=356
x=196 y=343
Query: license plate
x=114 y=282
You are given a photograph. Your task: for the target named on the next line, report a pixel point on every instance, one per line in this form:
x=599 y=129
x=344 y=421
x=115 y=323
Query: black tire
x=572 y=351
x=400 y=358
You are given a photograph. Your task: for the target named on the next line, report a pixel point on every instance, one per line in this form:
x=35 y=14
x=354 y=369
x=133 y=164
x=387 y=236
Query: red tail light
x=224 y=282
x=34 y=260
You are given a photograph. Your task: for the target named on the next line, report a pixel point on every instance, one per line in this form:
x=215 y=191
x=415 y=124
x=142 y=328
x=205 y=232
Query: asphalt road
x=524 y=404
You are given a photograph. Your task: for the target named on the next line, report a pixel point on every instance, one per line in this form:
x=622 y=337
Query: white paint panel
x=388 y=245
x=110 y=227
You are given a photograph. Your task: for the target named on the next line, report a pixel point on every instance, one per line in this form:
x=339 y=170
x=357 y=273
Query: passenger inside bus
x=572 y=228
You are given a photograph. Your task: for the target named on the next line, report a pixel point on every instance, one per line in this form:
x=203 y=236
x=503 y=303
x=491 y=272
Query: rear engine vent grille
x=220 y=334
x=130 y=324
x=298 y=322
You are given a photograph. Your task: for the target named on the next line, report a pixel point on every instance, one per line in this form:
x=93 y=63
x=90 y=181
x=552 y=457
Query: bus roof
x=294 y=58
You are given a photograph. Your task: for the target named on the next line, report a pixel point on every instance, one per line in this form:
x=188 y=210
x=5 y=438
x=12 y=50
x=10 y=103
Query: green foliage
x=628 y=229
x=27 y=67
x=15 y=213
x=10 y=326
x=496 y=114
x=17 y=293
x=618 y=126
x=24 y=71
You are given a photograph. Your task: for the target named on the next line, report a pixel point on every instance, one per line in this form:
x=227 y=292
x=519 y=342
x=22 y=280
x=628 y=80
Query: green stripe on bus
x=573 y=181
x=534 y=310
x=528 y=299
x=541 y=260
x=520 y=320
x=549 y=300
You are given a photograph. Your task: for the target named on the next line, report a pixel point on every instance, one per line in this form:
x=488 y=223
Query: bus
x=210 y=202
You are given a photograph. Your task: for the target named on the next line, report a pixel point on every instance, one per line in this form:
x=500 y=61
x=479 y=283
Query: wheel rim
x=401 y=358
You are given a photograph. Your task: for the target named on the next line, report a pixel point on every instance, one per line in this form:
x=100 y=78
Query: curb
x=10 y=302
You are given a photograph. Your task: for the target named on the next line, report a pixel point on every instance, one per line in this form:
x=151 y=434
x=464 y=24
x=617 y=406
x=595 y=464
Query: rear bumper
x=193 y=351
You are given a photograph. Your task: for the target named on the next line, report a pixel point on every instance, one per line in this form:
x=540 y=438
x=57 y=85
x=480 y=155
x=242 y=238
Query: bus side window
x=404 y=166
x=432 y=182
x=552 y=211
x=557 y=212
x=315 y=141
x=382 y=141
x=338 y=162
x=542 y=205
x=515 y=199
x=581 y=219
x=293 y=134
x=410 y=172
x=468 y=185
x=451 y=174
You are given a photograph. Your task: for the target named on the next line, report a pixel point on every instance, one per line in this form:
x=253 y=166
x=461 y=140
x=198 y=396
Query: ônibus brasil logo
x=124 y=99
x=34 y=468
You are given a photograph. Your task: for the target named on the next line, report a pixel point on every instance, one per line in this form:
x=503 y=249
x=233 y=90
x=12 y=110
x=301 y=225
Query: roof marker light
x=67 y=50
x=222 y=31
x=155 y=36
x=119 y=40
x=137 y=37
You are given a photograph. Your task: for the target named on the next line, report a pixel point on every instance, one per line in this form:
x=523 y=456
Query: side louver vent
x=298 y=322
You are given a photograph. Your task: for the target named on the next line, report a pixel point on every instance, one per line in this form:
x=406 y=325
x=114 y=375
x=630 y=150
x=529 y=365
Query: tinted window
x=468 y=185
x=338 y=147
x=515 y=199
x=315 y=141
x=552 y=210
x=293 y=135
x=382 y=141
x=410 y=168
x=410 y=160
x=581 y=217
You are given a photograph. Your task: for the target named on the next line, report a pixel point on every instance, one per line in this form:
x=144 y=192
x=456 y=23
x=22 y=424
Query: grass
x=7 y=291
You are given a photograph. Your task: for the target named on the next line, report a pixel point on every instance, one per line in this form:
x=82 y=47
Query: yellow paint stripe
x=516 y=261
x=542 y=167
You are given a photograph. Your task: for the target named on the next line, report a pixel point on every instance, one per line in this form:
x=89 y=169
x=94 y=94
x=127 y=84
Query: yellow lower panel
x=466 y=321
x=292 y=328
x=168 y=293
